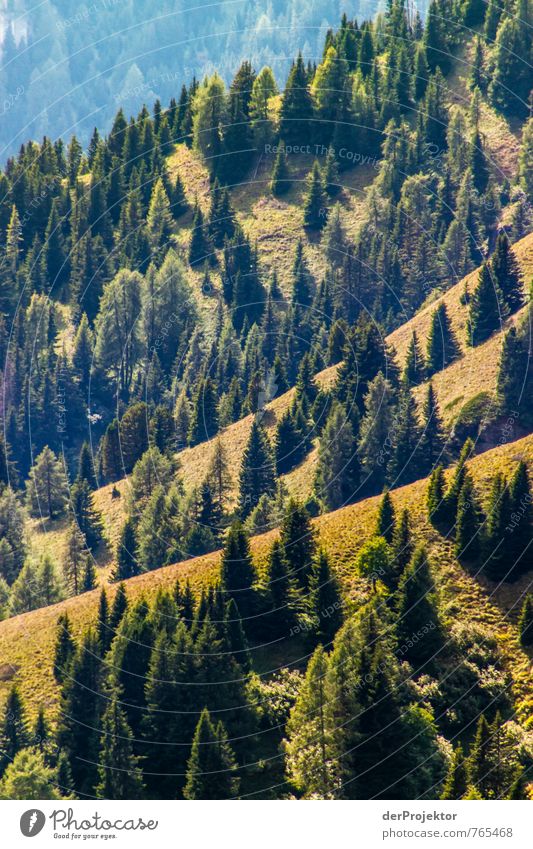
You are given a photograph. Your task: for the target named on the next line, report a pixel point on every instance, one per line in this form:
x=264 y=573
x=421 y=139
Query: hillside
x=26 y=641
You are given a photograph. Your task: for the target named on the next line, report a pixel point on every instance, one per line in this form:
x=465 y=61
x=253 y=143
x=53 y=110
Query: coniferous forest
x=266 y=456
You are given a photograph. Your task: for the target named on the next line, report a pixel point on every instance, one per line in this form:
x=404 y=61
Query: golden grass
x=26 y=641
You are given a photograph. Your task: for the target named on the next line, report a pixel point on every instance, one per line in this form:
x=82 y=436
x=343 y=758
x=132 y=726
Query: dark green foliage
x=415 y=369
x=385 y=522
x=315 y=206
x=127 y=564
x=237 y=572
x=437 y=507
x=468 y=542
x=204 y=417
x=120 y=604
x=520 y=526
x=442 y=345
x=85 y=514
x=433 y=440
x=118 y=771
x=487 y=308
x=65 y=648
x=298 y=542
x=257 y=476
x=281 y=590
x=86 y=467
x=280 y=182
x=326 y=601
x=417 y=612
x=81 y=705
x=507 y=274
x=498 y=512
x=104 y=635
x=14 y=733
x=212 y=769
x=297 y=106
x=402 y=545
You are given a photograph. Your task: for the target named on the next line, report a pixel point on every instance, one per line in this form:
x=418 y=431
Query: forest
x=266 y=463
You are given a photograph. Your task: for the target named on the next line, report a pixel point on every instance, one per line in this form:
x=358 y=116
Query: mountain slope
x=26 y=641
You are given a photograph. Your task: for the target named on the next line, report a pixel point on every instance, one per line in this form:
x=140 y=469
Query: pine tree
x=257 y=475
x=297 y=106
x=442 y=345
x=159 y=219
x=200 y=249
x=385 y=522
x=281 y=591
x=47 y=486
x=309 y=747
x=437 y=508
x=402 y=546
x=414 y=370
x=126 y=555
x=120 y=605
x=520 y=528
x=86 y=467
x=65 y=648
x=433 y=440
x=212 y=768
x=487 y=308
x=337 y=472
x=497 y=534
x=315 y=205
x=468 y=522
x=280 y=182
x=119 y=774
x=405 y=463
x=525 y=622
x=204 y=416
x=298 y=542
x=417 y=609
x=237 y=572
x=103 y=632
x=507 y=274
x=326 y=600
x=14 y=733
x=456 y=782
x=85 y=515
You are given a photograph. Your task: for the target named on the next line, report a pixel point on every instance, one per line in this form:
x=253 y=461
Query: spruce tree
x=507 y=274
x=385 y=522
x=118 y=772
x=497 y=531
x=14 y=732
x=456 y=781
x=326 y=600
x=103 y=632
x=212 y=768
x=204 y=416
x=520 y=528
x=337 y=469
x=437 y=508
x=433 y=440
x=416 y=608
x=65 y=648
x=237 y=572
x=47 y=491
x=487 y=308
x=297 y=106
x=120 y=605
x=200 y=249
x=281 y=591
x=414 y=370
x=127 y=564
x=468 y=523
x=442 y=345
x=298 y=541
x=85 y=467
x=257 y=475
x=402 y=545
x=280 y=181
x=85 y=515
x=315 y=205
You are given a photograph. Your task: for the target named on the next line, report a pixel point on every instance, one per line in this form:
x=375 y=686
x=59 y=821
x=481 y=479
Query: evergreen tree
x=86 y=517
x=402 y=545
x=455 y=784
x=280 y=181
x=414 y=370
x=496 y=562
x=520 y=527
x=417 y=609
x=65 y=648
x=433 y=440
x=326 y=600
x=204 y=416
x=298 y=542
x=126 y=555
x=437 y=511
x=281 y=590
x=120 y=605
x=85 y=467
x=442 y=345
x=405 y=463
x=315 y=205
x=297 y=106
x=257 y=475
x=385 y=522
x=14 y=733
x=103 y=632
x=212 y=768
x=200 y=249
x=237 y=572
x=507 y=274
x=487 y=308
x=468 y=522
x=46 y=490
x=119 y=774
x=337 y=472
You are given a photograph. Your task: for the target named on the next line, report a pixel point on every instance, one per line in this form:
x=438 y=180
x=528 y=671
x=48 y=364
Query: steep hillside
x=26 y=641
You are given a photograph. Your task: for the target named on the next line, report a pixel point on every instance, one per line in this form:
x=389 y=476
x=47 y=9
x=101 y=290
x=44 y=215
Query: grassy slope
x=26 y=641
